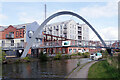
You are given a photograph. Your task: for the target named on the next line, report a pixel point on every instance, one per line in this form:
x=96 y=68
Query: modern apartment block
x=68 y=29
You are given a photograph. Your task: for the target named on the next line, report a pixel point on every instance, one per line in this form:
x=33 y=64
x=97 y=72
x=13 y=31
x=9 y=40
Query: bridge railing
x=82 y=43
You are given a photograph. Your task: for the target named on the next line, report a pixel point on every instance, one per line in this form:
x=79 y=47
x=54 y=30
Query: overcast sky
x=102 y=15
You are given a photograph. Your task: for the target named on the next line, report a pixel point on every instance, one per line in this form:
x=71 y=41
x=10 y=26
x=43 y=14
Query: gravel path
x=82 y=73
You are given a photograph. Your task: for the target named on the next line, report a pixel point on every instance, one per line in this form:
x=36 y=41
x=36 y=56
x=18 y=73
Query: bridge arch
x=29 y=44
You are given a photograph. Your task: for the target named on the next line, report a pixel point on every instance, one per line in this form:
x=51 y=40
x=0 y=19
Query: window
x=65 y=25
x=61 y=31
x=21 y=33
x=54 y=27
x=22 y=41
x=12 y=42
x=61 y=26
x=30 y=34
x=63 y=50
x=17 y=33
x=11 y=32
x=70 y=50
x=3 y=43
x=74 y=50
x=6 y=35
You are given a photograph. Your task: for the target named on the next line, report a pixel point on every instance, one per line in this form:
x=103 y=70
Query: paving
x=81 y=73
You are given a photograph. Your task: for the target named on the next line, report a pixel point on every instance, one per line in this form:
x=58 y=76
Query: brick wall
x=18 y=33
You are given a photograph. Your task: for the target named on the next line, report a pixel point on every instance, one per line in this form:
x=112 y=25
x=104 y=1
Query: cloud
x=3 y=17
x=28 y=18
x=108 y=33
x=97 y=11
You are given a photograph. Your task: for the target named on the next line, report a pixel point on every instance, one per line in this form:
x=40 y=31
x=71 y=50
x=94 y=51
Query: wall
x=18 y=33
x=31 y=27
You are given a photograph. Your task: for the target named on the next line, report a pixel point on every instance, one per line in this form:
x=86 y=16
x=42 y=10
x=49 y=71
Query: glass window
x=61 y=26
x=61 y=31
x=70 y=50
x=54 y=27
x=63 y=50
x=12 y=42
x=6 y=35
x=30 y=33
x=74 y=50
x=3 y=43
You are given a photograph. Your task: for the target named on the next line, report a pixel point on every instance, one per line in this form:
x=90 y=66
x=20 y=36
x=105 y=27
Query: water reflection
x=49 y=69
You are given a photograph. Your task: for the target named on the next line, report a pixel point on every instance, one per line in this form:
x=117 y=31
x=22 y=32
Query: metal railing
x=110 y=44
x=13 y=45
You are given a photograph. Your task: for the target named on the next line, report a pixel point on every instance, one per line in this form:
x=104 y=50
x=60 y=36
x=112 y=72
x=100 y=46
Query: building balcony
x=9 y=36
x=65 y=31
x=57 y=28
x=50 y=29
x=79 y=29
x=79 y=34
x=65 y=27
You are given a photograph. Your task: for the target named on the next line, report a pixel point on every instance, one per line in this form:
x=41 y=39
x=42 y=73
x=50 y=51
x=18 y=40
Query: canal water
x=49 y=69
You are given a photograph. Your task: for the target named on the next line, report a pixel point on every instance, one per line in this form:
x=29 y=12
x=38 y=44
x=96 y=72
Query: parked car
x=96 y=56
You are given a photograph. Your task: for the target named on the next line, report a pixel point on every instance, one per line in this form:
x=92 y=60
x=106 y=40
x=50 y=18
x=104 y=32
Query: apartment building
x=17 y=36
x=68 y=29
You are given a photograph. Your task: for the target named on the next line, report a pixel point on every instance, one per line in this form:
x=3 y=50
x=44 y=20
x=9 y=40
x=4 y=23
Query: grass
x=102 y=69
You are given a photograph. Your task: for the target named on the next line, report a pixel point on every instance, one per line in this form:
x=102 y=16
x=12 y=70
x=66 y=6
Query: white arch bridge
x=40 y=29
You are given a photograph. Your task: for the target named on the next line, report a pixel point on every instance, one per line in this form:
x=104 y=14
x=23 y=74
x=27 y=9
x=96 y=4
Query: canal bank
x=41 y=58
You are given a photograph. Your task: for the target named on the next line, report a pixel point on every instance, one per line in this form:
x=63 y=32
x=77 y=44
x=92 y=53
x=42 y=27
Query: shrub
x=85 y=55
x=105 y=54
x=2 y=56
x=57 y=57
x=67 y=56
x=27 y=58
x=43 y=57
x=17 y=61
x=79 y=54
x=73 y=54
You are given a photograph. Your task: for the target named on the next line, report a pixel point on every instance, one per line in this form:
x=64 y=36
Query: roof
x=16 y=26
x=58 y=23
